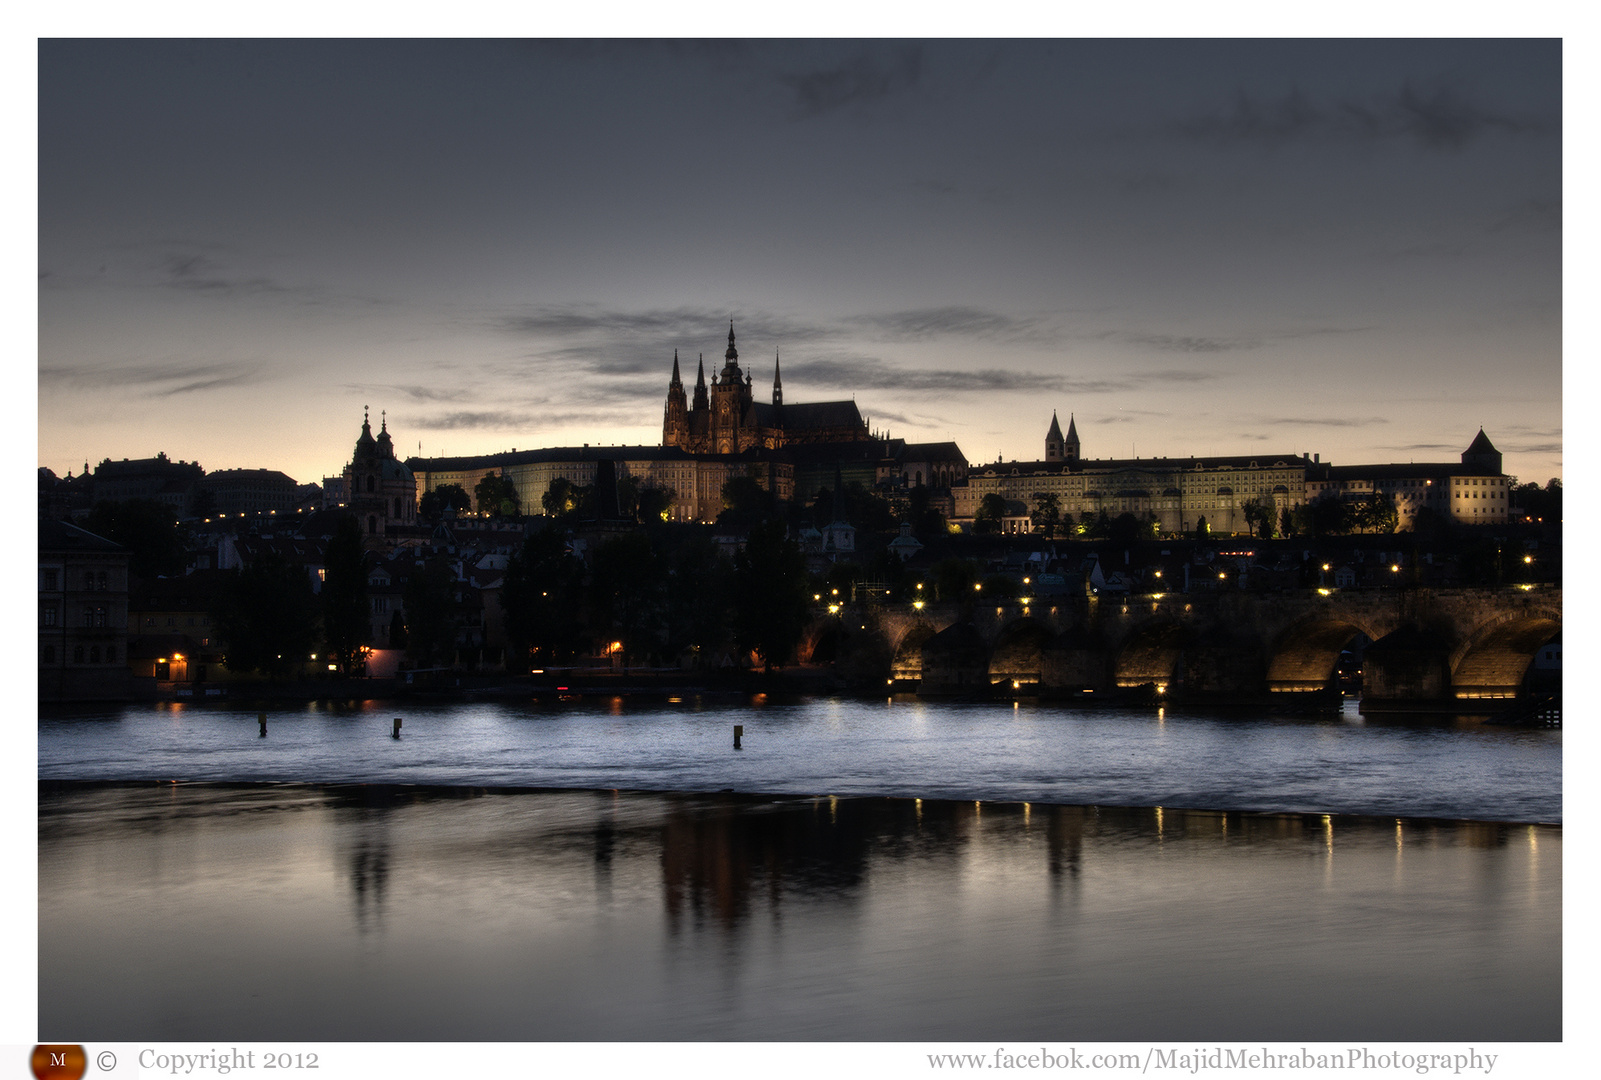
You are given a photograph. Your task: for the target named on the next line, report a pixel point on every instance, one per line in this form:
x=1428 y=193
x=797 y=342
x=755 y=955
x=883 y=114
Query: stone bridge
x=1426 y=644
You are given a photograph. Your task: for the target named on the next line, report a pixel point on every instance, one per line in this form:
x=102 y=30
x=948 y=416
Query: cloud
x=158 y=380
x=620 y=342
x=860 y=80
x=1440 y=118
x=1192 y=343
x=1323 y=421
x=870 y=373
x=954 y=320
x=458 y=421
x=1207 y=344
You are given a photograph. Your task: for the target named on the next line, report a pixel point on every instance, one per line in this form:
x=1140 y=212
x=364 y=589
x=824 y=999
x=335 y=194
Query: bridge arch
x=1152 y=653
x=1305 y=656
x=1019 y=652
x=1492 y=662
x=908 y=662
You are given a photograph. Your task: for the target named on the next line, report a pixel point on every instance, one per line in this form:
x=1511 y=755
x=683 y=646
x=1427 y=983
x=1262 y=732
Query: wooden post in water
x=739 y=729
x=261 y=718
x=396 y=734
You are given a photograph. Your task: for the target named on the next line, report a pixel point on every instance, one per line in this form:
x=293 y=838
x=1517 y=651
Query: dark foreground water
x=262 y=912
x=905 y=870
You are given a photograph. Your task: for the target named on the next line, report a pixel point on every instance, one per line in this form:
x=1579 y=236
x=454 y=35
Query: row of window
x=92 y=617
x=93 y=581
x=47 y=654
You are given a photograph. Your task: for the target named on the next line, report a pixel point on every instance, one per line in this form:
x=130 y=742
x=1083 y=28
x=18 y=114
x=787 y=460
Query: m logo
x=59 y=1062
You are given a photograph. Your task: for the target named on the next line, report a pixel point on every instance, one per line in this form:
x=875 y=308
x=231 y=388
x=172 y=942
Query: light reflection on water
x=1336 y=763
x=286 y=911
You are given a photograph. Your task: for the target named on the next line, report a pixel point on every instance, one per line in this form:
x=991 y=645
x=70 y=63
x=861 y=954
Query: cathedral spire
x=676 y=381
x=700 y=401
x=778 y=383
x=732 y=353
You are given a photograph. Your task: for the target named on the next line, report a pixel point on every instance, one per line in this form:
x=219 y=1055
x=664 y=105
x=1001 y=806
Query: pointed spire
x=700 y=379
x=732 y=353
x=676 y=381
x=778 y=382
x=1056 y=428
x=1072 y=429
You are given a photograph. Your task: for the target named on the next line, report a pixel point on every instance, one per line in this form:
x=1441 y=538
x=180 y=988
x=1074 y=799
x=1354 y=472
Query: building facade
x=83 y=615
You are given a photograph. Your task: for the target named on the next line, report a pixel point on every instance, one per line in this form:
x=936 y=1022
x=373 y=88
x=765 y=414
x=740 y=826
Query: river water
x=910 y=871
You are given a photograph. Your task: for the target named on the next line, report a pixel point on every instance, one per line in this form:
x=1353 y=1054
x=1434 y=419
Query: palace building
x=1178 y=492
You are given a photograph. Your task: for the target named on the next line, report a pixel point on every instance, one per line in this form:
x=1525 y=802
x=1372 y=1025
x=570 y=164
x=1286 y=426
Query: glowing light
x=833 y=609
x=1161 y=688
x=1528 y=559
x=1395 y=568
x=333 y=667
x=1325 y=592
x=978 y=586
x=918 y=604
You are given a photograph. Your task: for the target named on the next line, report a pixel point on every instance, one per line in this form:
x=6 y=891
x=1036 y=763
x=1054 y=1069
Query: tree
x=540 y=597
x=345 y=607
x=1047 y=516
x=397 y=631
x=745 y=503
x=431 y=613
x=496 y=495
x=770 y=596
x=700 y=590
x=655 y=503
x=954 y=579
x=562 y=499
x=1259 y=518
x=435 y=503
x=626 y=593
x=157 y=543
x=1330 y=517
x=1202 y=529
x=991 y=508
x=925 y=519
x=267 y=614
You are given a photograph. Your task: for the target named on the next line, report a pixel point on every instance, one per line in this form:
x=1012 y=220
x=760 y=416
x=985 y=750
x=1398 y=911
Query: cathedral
x=725 y=418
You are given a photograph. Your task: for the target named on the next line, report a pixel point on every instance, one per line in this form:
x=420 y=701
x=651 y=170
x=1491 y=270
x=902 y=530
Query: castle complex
x=719 y=431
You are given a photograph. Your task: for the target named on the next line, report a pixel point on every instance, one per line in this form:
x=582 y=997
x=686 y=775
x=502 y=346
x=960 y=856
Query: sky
x=1191 y=247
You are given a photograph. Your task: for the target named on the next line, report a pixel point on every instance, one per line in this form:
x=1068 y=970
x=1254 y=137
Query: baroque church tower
x=382 y=490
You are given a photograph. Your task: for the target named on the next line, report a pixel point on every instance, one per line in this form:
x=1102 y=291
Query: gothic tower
x=778 y=383
x=675 y=422
x=731 y=396
x=1071 y=444
x=1053 y=440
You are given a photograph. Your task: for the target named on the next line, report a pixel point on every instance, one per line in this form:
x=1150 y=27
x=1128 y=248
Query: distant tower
x=1072 y=439
x=699 y=404
x=1482 y=455
x=380 y=489
x=1053 y=440
x=675 y=421
x=731 y=395
x=778 y=383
